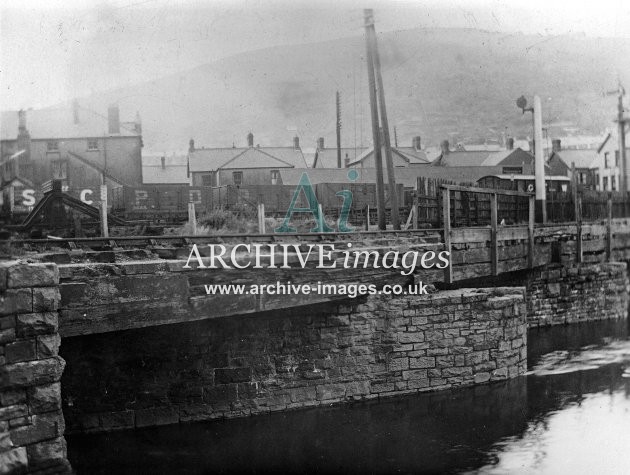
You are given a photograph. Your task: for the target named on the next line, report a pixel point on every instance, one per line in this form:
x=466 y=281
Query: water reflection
x=571 y=414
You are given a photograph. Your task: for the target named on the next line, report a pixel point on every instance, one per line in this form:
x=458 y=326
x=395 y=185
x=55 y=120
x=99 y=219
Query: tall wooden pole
x=380 y=192
x=391 y=178
x=541 y=192
x=623 y=165
x=338 y=108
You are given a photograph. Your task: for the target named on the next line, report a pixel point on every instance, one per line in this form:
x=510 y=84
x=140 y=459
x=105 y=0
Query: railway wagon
x=159 y=202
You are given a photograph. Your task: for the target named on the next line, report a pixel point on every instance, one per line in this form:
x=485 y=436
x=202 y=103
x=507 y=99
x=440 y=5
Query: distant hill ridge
x=459 y=84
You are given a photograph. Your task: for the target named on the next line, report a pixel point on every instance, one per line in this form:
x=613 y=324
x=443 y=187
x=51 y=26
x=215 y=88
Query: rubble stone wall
x=577 y=293
x=31 y=420
x=375 y=347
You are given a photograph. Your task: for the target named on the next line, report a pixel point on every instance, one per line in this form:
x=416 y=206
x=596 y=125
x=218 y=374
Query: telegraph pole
x=338 y=107
x=621 y=137
x=623 y=164
x=539 y=164
x=391 y=178
x=380 y=192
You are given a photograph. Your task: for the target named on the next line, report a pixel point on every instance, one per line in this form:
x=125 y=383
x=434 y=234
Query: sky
x=52 y=51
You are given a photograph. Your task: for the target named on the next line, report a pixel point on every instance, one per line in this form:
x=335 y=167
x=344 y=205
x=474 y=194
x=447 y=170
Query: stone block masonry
x=31 y=421
x=577 y=293
x=367 y=348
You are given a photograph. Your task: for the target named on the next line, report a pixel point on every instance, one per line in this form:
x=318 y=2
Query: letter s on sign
x=83 y=196
x=28 y=197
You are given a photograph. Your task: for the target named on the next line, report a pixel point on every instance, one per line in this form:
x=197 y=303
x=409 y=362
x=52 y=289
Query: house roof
x=461 y=158
x=59 y=124
x=408 y=154
x=175 y=169
x=581 y=158
x=212 y=159
x=327 y=157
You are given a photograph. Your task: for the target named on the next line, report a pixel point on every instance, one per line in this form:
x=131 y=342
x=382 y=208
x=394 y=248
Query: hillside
x=438 y=82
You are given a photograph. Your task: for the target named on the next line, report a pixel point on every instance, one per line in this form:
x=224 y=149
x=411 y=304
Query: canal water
x=569 y=414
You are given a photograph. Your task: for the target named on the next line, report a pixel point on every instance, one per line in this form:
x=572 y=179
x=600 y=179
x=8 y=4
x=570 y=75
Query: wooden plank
x=512 y=233
x=469 y=235
x=446 y=212
x=595 y=245
x=494 y=252
x=489 y=191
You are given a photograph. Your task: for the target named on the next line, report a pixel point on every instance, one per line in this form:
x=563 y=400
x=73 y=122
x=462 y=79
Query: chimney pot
x=556 y=145
x=22 y=120
x=416 y=142
x=444 y=146
x=250 y=140
x=296 y=142
x=163 y=161
x=510 y=143
x=113 y=119
x=191 y=145
x=75 y=111
x=320 y=143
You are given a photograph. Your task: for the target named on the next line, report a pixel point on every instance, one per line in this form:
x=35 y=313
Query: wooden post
x=103 y=209
x=609 y=229
x=494 y=249
x=192 y=218
x=320 y=218
x=376 y=140
x=578 y=240
x=261 y=218
x=530 y=231
x=446 y=219
x=367 y=218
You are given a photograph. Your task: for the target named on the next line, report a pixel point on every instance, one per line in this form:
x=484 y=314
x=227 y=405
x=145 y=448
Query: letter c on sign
x=83 y=196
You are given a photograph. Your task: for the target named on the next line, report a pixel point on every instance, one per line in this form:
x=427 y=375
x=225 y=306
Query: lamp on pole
x=539 y=159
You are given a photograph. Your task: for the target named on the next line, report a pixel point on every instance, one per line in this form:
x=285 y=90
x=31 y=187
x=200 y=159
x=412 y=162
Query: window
x=606 y=159
x=596 y=180
x=59 y=170
x=582 y=178
x=207 y=179
x=616 y=158
x=92 y=144
x=237 y=178
x=275 y=174
x=613 y=184
x=605 y=184
x=52 y=146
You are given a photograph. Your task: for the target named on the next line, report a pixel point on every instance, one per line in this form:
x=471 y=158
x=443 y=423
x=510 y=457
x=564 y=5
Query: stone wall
x=577 y=293
x=273 y=361
x=31 y=421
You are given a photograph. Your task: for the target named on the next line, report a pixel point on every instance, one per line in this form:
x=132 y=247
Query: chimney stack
x=75 y=111
x=163 y=162
x=320 y=143
x=346 y=161
x=138 y=123
x=296 y=142
x=416 y=143
x=444 y=146
x=510 y=143
x=21 y=120
x=113 y=119
x=556 y=145
x=191 y=145
x=250 y=140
